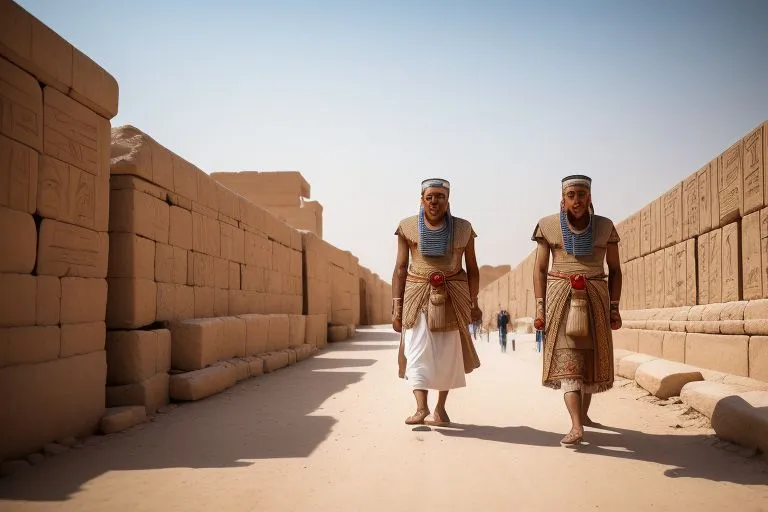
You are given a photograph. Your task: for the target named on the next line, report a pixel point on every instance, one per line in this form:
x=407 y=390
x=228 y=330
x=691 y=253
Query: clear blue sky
x=503 y=98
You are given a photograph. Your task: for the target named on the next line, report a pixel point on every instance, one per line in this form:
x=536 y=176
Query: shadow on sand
x=689 y=456
x=273 y=416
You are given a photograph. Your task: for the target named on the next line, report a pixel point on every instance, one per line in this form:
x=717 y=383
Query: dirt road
x=328 y=434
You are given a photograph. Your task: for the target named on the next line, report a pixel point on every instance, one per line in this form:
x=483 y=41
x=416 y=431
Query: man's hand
x=615 y=320
x=476 y=314
x=397 y=325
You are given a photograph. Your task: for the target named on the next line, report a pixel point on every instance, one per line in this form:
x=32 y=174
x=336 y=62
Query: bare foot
x=418 y=418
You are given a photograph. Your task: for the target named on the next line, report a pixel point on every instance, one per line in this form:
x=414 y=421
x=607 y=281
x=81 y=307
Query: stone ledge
x=628 y=365
x=117 y=419
x=199 y=384
x=665 y=379
x=704 y=395
x=743 y=419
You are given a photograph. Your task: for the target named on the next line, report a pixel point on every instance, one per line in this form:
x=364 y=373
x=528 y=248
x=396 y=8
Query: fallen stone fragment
x=274 y=361
x=628 y=366
x=54 y=449
x=665 y=379
x=117 y=419
x=200 y=384
x=703 y=396
x=743 y=419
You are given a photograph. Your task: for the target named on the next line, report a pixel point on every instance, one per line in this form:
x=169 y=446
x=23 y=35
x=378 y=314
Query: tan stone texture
x=751 y=262
x=756 y=317
x=80 y=339
x=175 y=302
x=337 y=333
x=132 y=303
x=691 y=215
x=628 y=366
x=93 y=86
x=704 y=180
x=195 y=343
x=725 y=353
x=131 y=256
x=715 y=267
x=205 y=301
x=74 y=384
x=731 y=264
x=83 y=300
x=19 y=227
x=665 y=379
x=743 y=418
x=137 y=154
x=135 y=356
x=233 y=340
x=705 y=395
x=28 y=345
x=673 y=216
x=279 y=332
x=170 y=264
x=732 y=318
x=118 y=419
x=702 y=262
x=73 y=251
x=151 y=393
x=131 y=211
x=180 y=228
x=274 y=361
x=74 y=134
x=753 y=162
x=673 y=346
x=199 y=384
x=257 y=333
x=317 y=330
x=18 y=175
x=22 y=116
x=758 y=358
x=48 y=300
x=731 y=184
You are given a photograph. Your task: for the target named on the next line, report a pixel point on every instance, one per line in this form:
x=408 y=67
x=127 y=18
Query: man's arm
x=540 y=269
x=614 y=283
x=473 y=272
x=399 y=275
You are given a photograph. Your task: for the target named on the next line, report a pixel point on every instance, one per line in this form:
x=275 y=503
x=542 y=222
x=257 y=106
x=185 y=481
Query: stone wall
x=55 y=107
x=130 y=277
x=695 y=265
x=513 y=291
x=284 y=194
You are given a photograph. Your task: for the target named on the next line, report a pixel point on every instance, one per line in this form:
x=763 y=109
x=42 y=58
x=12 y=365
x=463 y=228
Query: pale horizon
x=501 y=98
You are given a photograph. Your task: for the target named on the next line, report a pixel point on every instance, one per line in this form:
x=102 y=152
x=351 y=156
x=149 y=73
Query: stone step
x=628 y=365
x=117 y=419
x=705 y=395
x=743 y=419
x=665 y=379
x=199 y=384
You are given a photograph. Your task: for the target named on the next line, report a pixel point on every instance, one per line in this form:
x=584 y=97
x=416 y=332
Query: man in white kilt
x=434 y=300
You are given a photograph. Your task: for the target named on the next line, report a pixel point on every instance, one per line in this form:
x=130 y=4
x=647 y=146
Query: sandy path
x=328 y=434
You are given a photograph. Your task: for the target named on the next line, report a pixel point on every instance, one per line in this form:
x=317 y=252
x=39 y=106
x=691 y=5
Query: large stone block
x=131 y=256
x=74 y=134
x=117 y=419
x=83 y=300
x=132 y=211
x=337 y=333
x=72 y=251
x=297 y=329
x=19 y=235
x=628 y=366
x=732 y=317
x=704 y=181
x=152 y=393
x=72 y=195
x=137 y=154
x=49 y=401
x=665 y=379
x=691 y=217
x=743 y=419
x=22 y=99
x=180 y=228
x=704 y=395
x=731 y=264
x=135 y=356
x=132 y=303
x=279 y=332
x=274 y=361
x=650 y=342
x=93 y=86
x=195 y=343
x=751 y=257
x=48 y=300
x=233 y=342
x=758 y=358
x=175 y=302
x=206 y=234
x=725 y=353
x=27 y=345
x=756 y=317
x=205 y=302
x=199 y=384
x=18 y=176
x=257 y=333
x=80 y=339
x=715 y=266
x=170 y=264
x=731 y=183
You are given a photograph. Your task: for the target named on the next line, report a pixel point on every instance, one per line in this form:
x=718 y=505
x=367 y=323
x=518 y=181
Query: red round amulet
x=538 y=324
x=437 y=279
x=578 y=282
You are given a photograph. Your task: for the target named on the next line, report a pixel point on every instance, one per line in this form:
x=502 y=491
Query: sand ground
x=328 y=434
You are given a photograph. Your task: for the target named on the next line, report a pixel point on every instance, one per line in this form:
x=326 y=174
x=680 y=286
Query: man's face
x=576 y=200
x=435 y=202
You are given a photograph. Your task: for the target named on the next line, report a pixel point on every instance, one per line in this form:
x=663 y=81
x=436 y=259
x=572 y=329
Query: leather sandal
x=573 y=437
x=438 y=420
x=418 y=418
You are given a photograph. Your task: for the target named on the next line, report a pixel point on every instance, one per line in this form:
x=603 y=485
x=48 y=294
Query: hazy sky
x=502 y=98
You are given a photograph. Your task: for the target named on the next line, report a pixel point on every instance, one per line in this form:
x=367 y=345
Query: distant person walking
x=502 y=320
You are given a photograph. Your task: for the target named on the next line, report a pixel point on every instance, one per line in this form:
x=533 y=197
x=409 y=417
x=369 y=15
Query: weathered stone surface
x=626 y=339
x=195 y=343
x=152 y=393
x=337 y=333
x=704 y=395
x=650 y=342
x=199 y=384
x=725 y=353
x=756 y=317
x=619 y=354
x=275 y=360
x=628 y=366
x=117 y=419
x=743 y=419
x=673 y=346
x=732 y=318
x=665 y=378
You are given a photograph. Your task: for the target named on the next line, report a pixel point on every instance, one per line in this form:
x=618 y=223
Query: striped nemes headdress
x=577 y=180
x=435 y=183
